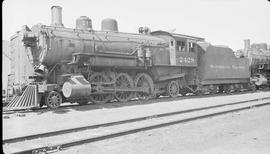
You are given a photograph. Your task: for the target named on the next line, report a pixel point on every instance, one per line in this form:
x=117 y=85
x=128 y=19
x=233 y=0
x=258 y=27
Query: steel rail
x=117 y=103
x=122 y=133
x=48 y=134
x=54 y=133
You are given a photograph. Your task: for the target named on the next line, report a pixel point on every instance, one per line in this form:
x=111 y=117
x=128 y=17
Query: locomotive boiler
x=67 y=60
x=85 y=65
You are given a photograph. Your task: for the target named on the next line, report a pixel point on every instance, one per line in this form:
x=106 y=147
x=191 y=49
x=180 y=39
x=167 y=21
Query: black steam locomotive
x=84 y=65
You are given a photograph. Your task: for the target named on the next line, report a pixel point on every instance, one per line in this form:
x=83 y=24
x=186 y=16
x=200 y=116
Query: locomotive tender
x=81 y=64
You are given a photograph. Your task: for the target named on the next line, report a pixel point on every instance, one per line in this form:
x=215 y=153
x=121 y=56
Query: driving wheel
x=99 y=98
x=123 y=80
x=143 y=80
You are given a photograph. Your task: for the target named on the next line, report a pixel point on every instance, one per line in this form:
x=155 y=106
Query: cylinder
x=84 y=23
x=56 y=16
x=109 y=25
x=76 y=87
x=75 y=90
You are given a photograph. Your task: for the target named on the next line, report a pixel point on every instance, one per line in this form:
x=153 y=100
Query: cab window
x=180 y=46
x=191 y=47
x=172 y=43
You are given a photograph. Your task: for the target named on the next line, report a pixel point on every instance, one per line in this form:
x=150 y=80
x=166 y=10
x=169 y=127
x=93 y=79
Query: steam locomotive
x=84 y=65
x=259 y=58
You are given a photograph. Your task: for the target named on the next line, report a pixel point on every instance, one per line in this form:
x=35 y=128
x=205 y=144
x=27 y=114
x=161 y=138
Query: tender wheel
x=99 y=98
x=199 y=92
x=252 y=86
x=228 y=89
x=123 y=80
x=82 y=102
x=157 y=95
x=173 y=89
x=143 y=80
x=53 y=99
x=183 y=91
x=236 y=88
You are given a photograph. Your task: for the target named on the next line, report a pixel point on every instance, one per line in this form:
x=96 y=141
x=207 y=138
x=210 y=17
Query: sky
x=220 y=22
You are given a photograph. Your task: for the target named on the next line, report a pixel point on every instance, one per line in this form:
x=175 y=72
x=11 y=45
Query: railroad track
x=131 y=102
x=54 y=141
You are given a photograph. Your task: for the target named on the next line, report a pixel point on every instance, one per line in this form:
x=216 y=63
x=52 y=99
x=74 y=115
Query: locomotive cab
x=183 y=48
x=182 y=61
x=185 y=52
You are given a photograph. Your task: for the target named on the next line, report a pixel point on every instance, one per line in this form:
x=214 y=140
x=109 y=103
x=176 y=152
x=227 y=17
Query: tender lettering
x=227 y=67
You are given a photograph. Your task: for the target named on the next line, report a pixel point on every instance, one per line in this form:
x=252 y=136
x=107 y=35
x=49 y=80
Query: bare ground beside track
x=241 y=132
x=33 y=123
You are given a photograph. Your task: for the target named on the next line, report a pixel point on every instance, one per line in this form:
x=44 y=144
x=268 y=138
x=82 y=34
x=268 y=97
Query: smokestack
x=56 y=16
x=246 y=46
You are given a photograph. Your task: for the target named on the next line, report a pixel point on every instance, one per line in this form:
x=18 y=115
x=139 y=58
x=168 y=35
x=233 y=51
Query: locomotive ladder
x=28 y=100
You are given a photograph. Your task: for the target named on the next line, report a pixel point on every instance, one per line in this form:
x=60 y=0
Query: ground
x=242 y=132
x=21 y=124
x=246 y=132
